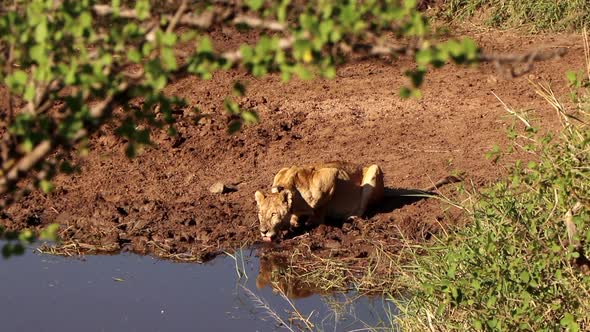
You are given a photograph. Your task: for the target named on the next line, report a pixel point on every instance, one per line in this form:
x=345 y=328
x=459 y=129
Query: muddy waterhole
x=128 y=292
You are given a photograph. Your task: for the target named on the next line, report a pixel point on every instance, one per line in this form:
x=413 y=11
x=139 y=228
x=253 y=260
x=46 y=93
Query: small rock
x=217 y=188
x=221 y=188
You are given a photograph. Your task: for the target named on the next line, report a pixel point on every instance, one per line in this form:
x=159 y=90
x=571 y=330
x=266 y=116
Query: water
x=128 y=292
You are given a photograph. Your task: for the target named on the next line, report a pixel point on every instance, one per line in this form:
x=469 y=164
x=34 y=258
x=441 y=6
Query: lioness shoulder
x=335 y=189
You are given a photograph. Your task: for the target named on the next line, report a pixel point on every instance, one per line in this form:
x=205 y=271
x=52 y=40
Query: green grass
x=536 y=15
x=519 y=264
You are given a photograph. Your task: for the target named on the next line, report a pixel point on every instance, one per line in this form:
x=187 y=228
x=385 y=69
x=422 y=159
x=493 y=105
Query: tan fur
x=338 y=190
x=273 y=272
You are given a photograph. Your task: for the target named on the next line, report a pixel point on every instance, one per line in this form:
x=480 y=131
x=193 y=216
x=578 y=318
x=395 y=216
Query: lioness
x=336 y=189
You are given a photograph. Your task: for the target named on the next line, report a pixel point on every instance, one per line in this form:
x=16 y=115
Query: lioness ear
x=259 y=197
x=287 y=196
x=277 y=189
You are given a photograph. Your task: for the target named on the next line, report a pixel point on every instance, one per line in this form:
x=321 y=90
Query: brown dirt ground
x=159 y=202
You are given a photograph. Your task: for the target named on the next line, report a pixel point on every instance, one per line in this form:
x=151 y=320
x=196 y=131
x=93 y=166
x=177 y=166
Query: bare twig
x=236 y=55
x=500 y=60
x=518 y=116
x=25 y=164
x=42 y=103
x=263 y=305
x=177 y=16
x=256 y=22
x=536 y=55
x=7 y=69
x=202 y=21
x=43 y=149
x=429 y=319
x=547 y=93
x=444 y=181
x=105 y=10
x=305 y=320
x=586 y=51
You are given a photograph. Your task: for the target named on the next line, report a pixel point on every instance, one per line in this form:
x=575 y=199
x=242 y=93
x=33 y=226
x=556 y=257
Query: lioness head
x=274 y=212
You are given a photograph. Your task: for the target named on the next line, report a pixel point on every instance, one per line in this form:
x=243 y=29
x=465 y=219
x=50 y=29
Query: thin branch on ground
x=260 y=303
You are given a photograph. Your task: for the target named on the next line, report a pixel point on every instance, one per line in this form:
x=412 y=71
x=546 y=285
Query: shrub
x=520 y=264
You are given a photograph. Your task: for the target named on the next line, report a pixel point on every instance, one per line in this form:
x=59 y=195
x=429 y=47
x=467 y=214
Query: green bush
x=514 y=267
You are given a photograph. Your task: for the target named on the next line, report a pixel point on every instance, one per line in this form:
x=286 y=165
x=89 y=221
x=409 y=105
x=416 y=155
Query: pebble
x=221 y=188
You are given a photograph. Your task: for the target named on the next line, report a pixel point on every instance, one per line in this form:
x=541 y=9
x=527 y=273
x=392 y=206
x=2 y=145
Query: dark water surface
x=128 y=292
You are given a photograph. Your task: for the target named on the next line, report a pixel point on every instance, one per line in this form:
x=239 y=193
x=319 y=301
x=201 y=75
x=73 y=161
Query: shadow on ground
x=395 y=198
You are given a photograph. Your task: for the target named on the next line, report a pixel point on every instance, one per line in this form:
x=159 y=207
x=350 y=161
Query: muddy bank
x=159 y=203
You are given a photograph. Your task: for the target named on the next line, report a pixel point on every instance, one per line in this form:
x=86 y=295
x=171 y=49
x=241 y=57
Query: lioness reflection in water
x=273 y=273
